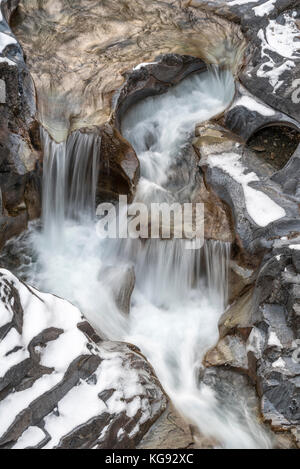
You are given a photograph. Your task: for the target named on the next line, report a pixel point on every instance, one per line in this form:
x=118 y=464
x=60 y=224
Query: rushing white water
x=179 y=293
x=70 y=168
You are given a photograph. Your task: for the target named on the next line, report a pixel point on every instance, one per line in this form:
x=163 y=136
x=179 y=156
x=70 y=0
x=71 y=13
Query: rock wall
x=19 y=149
x=52 y=363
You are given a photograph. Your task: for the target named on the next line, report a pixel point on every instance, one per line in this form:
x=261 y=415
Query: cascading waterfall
x=67 y=248
x=217 y=272
x=179 y=293
x=69 y=178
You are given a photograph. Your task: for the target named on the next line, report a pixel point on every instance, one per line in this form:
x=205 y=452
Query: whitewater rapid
x=180 y=294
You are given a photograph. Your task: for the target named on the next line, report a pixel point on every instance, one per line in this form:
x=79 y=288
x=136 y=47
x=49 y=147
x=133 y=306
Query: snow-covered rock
x=261 y=209
x=58 y=388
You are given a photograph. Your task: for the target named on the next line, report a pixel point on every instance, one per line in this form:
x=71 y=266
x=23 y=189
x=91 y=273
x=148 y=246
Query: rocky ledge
x=52 y=362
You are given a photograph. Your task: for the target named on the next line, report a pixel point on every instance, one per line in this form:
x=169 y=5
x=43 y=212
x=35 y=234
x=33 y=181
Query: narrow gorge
x=157 y=341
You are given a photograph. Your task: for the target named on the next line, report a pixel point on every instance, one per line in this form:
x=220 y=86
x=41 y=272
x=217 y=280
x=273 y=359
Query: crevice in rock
x=275 y=144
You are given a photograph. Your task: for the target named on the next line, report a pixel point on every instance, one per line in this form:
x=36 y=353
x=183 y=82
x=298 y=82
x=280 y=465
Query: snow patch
x=295 y=247
x=14 y=403
x=283 y=38
x=8 y=61
x=253 y=105
x=130 y=388
x=60 y=353
x=261 y=208
x=275 y=72
x=112 y=373
x=6 y=315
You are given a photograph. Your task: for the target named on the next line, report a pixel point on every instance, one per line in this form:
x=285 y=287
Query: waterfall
x=217 y=255
x=180 y=293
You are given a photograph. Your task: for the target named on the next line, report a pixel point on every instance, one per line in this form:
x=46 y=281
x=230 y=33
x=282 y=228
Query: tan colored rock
x=89 y=48
x=296 y=435
x=119 y=165
x=33 y=195
x=238 y=316
x=172 y=431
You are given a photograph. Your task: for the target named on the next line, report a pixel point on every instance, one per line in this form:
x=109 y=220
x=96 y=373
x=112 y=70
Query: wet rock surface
x=121 y=280
x=119 y=167
x=275 y=145
x=50 y=365
x=248 y=114
x=259 y=333
x=18 y=155
x=170 y=431
x=153 y=79
x=272 y=31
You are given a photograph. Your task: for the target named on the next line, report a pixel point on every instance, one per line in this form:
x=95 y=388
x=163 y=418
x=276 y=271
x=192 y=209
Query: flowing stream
x=179 y=293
